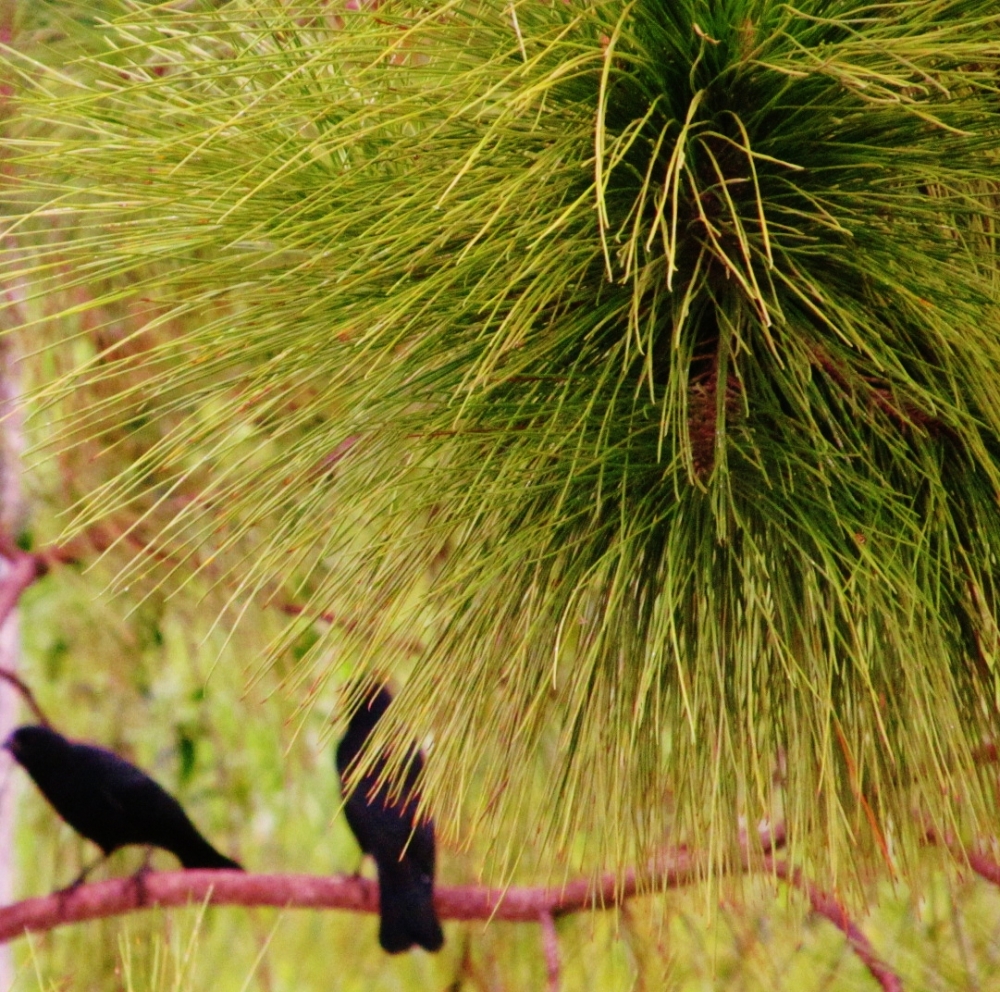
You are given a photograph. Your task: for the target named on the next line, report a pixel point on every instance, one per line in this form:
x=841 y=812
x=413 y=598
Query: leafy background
x=284 y=398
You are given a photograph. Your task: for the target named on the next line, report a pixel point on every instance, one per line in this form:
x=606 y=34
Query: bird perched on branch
x=108 y=800
x=384 y=822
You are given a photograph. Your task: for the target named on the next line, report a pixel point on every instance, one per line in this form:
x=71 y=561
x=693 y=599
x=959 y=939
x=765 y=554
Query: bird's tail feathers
x=203 y=855
x=407 y=914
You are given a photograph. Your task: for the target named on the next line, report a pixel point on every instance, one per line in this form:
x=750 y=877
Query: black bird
x=108 y=800
x=385 y=827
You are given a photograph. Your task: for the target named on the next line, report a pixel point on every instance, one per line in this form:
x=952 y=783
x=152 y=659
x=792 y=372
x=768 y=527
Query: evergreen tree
x=637 y=360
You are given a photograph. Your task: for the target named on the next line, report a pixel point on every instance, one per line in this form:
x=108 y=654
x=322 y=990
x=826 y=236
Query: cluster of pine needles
x=638 y=360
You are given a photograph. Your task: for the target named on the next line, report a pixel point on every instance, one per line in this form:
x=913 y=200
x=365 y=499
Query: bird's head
x=33 y=742
x=374 y=703
x=369 y=700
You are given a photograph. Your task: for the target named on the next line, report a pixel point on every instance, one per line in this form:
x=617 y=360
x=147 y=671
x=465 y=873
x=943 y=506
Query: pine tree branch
x=22 y=570
x=352 y=626
x=550 y=947
x=527 y=904
x=103 y=536
x=118 y=896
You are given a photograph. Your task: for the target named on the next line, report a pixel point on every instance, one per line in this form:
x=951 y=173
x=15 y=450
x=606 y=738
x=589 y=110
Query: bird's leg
x=146 y=858
x=139 y=876
x=78 y=881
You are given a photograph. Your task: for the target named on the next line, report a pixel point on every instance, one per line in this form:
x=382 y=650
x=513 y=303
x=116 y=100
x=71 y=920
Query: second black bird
x=108 y=800
x=385 y=826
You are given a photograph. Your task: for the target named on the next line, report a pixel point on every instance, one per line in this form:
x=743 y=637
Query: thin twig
x=465 y=966
x=27 y=695
x=22 y=570
x=550 y=947
x=829 y=906
x=982 y=864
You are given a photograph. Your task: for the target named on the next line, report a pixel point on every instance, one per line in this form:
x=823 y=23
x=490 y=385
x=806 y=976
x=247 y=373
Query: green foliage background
x=617 y=376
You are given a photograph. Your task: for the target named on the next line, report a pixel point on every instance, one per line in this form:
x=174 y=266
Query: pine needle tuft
x=639 y=359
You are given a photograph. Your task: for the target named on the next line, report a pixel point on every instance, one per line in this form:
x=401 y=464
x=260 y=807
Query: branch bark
x=550 y=947
x=231 y=888
x=26 y=694
x=526 y=904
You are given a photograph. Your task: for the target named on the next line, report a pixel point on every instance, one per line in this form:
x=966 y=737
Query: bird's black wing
x=94 y=795
x=139 y=811
x=385 y=827
x=382 y=825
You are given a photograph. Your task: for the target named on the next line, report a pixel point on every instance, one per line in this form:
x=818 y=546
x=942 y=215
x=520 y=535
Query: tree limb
x=22 y=569
x=29 y=697
x=359 y=895
x=550 y=947
x=540 y=904
x=115 y=897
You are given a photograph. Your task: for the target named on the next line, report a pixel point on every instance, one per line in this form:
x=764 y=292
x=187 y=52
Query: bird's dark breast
x=383 y=827
x=88 y=811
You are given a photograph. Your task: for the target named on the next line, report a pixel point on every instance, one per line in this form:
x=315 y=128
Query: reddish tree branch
x=231 y=888
x=526 y=904
x=22 y=570
x=984 y=866
x=26 y=693
x=825 y=904
x=359 y=895
x=550 y=947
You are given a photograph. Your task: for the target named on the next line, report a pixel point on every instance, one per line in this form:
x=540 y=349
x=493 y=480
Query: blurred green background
x=170 y=676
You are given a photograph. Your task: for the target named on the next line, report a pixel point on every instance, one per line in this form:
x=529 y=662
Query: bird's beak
x=10 y=745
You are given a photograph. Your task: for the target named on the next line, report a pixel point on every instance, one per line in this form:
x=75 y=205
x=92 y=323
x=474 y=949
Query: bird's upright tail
x=406 y=908
x=198 y=853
